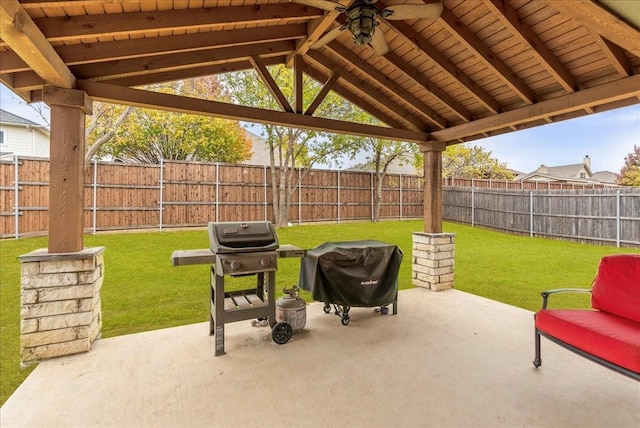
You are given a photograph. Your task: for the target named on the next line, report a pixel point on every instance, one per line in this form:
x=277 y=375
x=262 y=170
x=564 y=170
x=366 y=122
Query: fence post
x=338 y=196
x=531 y=213
x=265 y=193
x=299 y=196
x=473 y=205
x=94 y=209
x=217 y=203
x=161 y=201
x=16 y=191
x=372 y=196
x=618 y=218
x=400 y=197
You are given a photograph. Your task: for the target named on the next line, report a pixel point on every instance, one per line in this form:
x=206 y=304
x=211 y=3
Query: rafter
x=443 y=63
x=270 y=83
x=616 y=55
x=362 y=103
x=597 y=18
x=482 y=52
x=26 y=39
x=510 y=19
x=146 y=99
x=131 y=48
x=127 y=24
x=376 y=96
x=421 y=108
x=616 y=91
x=316 y=29
x=130 y=67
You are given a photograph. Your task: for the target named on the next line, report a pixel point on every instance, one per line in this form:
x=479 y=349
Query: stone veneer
x=60 y=303
x=433 y=260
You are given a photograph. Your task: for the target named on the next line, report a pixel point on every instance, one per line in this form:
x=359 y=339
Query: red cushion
x=616 y=288
x=607 y=336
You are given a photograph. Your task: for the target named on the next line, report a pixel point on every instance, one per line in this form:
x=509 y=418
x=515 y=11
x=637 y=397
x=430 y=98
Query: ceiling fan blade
x=379 y=44
x=320 y=4
x=327 y=38
x=413 y=11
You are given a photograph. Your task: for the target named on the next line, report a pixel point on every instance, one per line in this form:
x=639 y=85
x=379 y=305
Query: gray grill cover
x=353 y=273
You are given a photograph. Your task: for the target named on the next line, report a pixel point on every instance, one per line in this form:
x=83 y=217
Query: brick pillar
x=60 y=303
x=433 y=260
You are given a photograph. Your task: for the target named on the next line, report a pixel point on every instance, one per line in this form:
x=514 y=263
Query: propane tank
x=292 y=309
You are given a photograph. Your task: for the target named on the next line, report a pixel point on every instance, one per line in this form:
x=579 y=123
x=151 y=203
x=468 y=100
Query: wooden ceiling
x=483 y=68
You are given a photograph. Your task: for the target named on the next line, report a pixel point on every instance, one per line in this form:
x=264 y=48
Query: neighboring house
x=579 y=173
x=260 y=150
x=396 y=167
x=22 y=137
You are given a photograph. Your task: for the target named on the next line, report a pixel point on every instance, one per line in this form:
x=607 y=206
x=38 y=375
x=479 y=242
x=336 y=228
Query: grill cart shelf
x=241 y=258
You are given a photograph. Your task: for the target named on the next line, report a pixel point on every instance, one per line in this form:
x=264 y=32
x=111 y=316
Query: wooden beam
x=415 y=104
x=616 y=55
x=166 y=102
x=27 y=41
x=432 y=190
x=362 y=103
x=298 y=85
x=453 y=105
x=484 y=54
x=175 y=61
x=77 y=54
x=509 y=17
x=62 y=28
x=190 y=73
x=443 y=63
x=66 y=178
x=322 y=94
x=607 y=93
x=315 y=30
x=271 y=84
x=597 y=18
x=373 y=96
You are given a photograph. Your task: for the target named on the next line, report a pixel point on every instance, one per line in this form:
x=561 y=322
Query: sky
x=605 y=137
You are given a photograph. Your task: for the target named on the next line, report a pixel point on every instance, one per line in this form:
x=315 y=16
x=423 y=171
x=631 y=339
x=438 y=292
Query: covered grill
x=244 y=248
x=352 y=274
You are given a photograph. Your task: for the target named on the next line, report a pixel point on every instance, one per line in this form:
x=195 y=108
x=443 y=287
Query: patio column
x=433 y=250
x=60 y=286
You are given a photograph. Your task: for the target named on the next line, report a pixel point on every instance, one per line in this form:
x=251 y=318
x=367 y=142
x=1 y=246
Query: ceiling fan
x=361 y=20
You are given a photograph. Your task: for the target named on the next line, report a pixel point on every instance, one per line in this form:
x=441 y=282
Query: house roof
x=12 y=119
x=482 y=68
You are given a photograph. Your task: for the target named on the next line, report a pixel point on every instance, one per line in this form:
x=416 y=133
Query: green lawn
x=143 y=291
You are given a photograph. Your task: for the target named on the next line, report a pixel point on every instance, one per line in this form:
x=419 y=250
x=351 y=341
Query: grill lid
x=242 y=237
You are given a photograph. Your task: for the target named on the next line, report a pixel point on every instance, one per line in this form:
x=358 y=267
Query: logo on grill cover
x=369 y=282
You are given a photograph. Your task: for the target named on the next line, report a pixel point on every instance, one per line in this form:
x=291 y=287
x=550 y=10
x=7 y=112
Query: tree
x=147 y=136
x=463 y=161
x=630 y=172
x=380 y=155
x=289 y=148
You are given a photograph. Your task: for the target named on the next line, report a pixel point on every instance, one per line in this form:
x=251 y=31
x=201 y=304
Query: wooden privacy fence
x=606 y=216
x=178 y=194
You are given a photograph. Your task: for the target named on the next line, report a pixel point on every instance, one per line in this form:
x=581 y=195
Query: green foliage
x=143 y=291
x=630 y=172
x=461 y=160
x=147 y=136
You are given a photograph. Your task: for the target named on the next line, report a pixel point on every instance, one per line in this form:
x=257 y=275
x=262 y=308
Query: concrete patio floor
x=448 y=359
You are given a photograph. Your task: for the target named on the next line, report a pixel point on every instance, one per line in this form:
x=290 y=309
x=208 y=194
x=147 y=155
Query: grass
x=143 y=291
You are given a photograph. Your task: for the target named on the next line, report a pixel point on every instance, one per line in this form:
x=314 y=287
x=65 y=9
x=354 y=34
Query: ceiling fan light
x=362 y=23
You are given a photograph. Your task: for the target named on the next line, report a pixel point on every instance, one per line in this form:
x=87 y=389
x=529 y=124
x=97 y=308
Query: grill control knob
x=265 y=262
x=235 y=265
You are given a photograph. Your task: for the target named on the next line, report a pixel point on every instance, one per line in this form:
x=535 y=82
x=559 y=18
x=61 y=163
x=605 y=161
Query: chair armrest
x=545 y=294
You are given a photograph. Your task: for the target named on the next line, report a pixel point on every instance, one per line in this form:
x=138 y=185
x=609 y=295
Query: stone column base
x=433 y=260
x=60 y=303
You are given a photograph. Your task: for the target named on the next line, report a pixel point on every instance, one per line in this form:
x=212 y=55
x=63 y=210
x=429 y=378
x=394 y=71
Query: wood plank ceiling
x=483 y=68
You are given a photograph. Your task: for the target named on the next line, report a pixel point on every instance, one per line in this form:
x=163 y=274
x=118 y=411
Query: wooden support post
x=432 y=151
x=66 y=182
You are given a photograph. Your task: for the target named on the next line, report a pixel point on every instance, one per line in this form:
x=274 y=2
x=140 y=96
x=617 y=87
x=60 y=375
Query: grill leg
x=537 y=360
x=216 y=321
